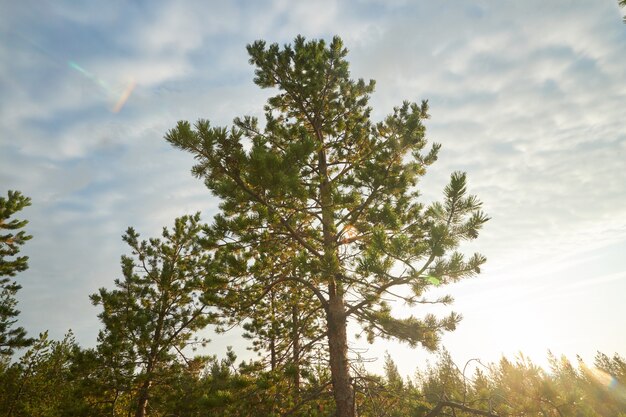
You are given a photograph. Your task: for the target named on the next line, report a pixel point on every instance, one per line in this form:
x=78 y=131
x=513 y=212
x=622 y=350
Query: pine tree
x=286 y=325
x=392 y=376
x=10 y=264
x=164 y=297
x=42 y=383
x=322 y=181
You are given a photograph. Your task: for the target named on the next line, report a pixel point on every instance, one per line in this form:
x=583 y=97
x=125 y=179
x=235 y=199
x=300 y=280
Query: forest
x=320 y=228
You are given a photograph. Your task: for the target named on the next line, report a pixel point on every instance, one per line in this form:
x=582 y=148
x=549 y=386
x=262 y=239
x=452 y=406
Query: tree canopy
x=320 y=180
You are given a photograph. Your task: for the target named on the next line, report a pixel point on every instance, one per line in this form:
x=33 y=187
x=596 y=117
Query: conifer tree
x=163 y=298
x=11 y=238
x=287 y=324
x=322 y=181
x=285 y=328
x=42 y=383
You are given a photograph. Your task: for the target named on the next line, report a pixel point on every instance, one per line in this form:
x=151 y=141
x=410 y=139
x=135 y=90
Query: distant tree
x=104 y=379
x=324 y=181
x=392 y=376
x=286 y=325
x=604 y=384
x=443 y=381
x=159 y=304
x=11 y=238
x=41 y=382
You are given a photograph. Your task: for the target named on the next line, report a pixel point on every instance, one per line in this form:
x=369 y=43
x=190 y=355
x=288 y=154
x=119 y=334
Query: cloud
x=531 y=111
x=528 y=109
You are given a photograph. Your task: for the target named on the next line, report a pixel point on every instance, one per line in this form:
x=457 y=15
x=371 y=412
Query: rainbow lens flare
x=606 y=380
x=123 y=98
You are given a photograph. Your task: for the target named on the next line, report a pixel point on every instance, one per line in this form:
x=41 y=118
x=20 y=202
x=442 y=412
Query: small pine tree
x=162 y=300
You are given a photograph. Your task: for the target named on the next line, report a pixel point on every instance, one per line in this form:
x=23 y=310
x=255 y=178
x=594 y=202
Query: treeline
x=144 y=362
x=59 y=378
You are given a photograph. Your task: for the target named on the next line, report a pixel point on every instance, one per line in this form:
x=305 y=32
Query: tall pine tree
x=322 y=181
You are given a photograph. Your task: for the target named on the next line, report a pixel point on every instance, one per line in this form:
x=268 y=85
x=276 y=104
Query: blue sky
x=528 y=97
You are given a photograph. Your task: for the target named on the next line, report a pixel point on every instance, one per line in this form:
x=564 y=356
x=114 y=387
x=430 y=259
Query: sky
x=529 y=98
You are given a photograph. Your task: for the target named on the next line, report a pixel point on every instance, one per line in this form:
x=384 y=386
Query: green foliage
x=337 y=192
x=155 y=310
x=272 y=197
x=57 y=378
x=285 y=328
x=43 y=383
x=392 y=376
x=521 y=388
x=11 y=239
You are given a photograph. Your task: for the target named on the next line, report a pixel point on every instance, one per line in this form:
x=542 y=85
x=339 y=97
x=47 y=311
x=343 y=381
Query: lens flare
x=124 y=97
x=607 y=380
x=89 y=75
x=112 y=93
x=121 y=100
x=350 y=234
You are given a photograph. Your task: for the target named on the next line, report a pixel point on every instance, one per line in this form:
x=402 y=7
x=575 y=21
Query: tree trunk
x=295 y=335
x=273 y=332
x=142 y=401
x=338 y=349
x=336 y=314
